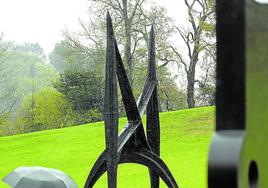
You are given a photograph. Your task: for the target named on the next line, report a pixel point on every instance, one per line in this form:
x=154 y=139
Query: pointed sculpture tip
x=152 y=35
x=152 y=29
x=109 y=22
x=108 y=17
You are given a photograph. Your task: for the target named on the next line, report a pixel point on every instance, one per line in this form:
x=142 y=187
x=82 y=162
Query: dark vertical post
x=111 y=107
x=225 y=149
x=152 y=117
x=230 y=99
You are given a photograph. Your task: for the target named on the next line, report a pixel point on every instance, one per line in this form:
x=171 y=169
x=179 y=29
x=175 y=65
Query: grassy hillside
x=185 y=137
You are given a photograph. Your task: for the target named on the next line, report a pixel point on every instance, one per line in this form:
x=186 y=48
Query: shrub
x=92 y=115
x=47 y=109
x=84 y=90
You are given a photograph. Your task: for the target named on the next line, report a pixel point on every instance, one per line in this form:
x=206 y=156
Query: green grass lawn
x=185 y=138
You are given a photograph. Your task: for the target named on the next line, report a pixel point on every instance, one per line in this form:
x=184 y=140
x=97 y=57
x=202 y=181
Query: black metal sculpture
x=132 y=145
x=238 y=156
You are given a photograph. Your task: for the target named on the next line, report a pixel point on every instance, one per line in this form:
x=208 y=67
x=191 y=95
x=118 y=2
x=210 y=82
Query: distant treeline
x=65 y=90
x=66 y=87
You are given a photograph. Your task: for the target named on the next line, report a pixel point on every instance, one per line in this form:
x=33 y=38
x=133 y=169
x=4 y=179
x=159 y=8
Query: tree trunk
x=191 y=72
x=127 y=46
x=190 y=88
x=128 y=56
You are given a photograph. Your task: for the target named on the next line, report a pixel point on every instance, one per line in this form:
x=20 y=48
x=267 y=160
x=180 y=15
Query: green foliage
x=34 y=48
x=84 y=90
x=207 y=27
x=67 y=57
x=47 y=109
x=82 y=116
x=206 y=94
x=81 y=79
x=185 y=138
x=170 y=97
x=206 y=91
x=3 y=122
x=7 y=95
x=62 y=57
x=21 y=73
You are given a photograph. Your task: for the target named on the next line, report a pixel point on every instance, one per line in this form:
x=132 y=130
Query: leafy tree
x=62 y=57
x=51 y=110
x=170 y=96
x=26 y=71
x=87 y=116
x=23 y=73
x=207 y=85
x=84 y=90
x=8 y=97
x=81 y=79
x=67 y=57
x=199 y=40
x=34 y=48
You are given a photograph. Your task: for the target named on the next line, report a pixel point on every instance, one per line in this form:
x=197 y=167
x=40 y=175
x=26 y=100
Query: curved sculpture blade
x=139 y=156
x=153 y=162
x=97 y=170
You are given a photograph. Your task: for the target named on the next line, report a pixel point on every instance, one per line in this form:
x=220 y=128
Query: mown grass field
x=185 y=138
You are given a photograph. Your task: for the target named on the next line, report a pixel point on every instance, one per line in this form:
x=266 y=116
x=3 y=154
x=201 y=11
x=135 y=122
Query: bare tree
x=131 y=23
x=199 y=40
x=125 y=12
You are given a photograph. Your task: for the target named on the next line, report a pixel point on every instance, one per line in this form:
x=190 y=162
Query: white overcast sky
x=42 y=21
